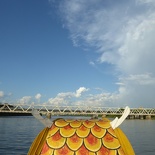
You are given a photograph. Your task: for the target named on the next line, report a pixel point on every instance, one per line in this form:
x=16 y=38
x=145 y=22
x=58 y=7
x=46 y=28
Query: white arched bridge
x=23 y=109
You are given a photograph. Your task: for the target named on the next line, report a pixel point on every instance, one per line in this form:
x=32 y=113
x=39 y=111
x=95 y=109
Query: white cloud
x=137 y=90
x=1 y=94
x=57 y=101
x=145 y=1
x=142 y=79
x=80 y=91
x=89 y=22
x=65 y=98
x=38 y=96
x=136 y=55
x=78 y=99
x=123 y=32
x=25 y=100
x=92 y=63
x=99 y=100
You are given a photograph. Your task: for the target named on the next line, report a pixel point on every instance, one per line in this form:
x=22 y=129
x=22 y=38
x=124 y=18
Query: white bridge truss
x=73 y=110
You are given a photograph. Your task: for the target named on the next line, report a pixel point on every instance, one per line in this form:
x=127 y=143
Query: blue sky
x=78 y=52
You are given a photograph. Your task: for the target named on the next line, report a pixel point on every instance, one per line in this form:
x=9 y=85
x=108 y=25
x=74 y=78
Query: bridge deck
x=74 y=110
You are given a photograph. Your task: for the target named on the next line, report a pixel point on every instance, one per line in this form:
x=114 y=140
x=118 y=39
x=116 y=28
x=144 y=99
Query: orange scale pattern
x=81 y=137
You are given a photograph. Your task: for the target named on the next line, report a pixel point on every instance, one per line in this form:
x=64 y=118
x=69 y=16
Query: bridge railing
x=72 y=110
x=16 y=108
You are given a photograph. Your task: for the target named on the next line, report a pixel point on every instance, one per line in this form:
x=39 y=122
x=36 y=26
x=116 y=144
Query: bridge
x=25 y=109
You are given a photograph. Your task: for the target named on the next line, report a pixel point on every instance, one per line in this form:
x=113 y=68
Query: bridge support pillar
x=131 y=116
x=148 y=117
x=137 y=117
x=141 y=117
x=48 y=115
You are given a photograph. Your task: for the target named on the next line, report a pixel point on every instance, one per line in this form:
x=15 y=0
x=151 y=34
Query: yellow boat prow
x=81 y=137
x=125 y=143
x=38 y=142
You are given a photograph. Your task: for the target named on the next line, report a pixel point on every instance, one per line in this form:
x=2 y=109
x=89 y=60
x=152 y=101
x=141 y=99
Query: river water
x=17 y=134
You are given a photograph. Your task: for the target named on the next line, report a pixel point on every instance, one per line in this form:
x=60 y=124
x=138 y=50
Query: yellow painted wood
x=125 y=144
x=38 y=142
x=89 y=137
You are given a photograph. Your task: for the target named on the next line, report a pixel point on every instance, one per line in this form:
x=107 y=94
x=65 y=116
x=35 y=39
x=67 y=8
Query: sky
x=78 y=52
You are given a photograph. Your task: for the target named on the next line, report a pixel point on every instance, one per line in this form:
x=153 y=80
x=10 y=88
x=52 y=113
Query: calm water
x=17 y=134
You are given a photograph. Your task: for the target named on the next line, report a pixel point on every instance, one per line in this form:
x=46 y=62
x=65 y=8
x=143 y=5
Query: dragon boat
x=81 y=137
